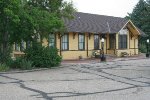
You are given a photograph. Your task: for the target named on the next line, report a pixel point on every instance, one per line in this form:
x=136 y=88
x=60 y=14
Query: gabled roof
x=92 y=23
x=84 y=22
x=142 y=33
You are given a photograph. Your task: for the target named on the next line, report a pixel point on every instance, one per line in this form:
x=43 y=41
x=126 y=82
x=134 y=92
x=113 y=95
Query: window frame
x=17 y=47
x=97 y=43
x=123 y=41
x=112 y=41
x=54 y=43
x=22 y=46
x=80 y=34
x=67 y=43
x=28 y=44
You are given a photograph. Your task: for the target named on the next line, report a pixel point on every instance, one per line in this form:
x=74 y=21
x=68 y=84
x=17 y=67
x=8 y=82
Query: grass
x=4 y=67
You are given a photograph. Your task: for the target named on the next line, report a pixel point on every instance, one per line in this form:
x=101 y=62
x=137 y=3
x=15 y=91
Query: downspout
x=106 y=42
x=115 y=44
x=134 y=48
x=107 y=35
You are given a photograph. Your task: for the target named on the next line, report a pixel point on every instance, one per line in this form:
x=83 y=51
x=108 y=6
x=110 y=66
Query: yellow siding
x=111 y=52
x=74 y=53
x=45 y=42
x=73 y=41
x=58 y=41
x=91 y=42
x=132 y=45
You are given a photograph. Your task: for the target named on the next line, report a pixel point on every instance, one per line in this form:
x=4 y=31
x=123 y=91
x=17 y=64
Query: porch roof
x=92 y=23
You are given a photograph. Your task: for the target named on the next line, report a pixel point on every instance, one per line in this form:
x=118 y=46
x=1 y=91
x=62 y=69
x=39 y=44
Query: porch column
x=107 y=41
x=117 y=45
x=87 y=44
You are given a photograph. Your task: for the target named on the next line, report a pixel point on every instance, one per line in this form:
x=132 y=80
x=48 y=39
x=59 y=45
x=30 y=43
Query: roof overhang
x=131 y=27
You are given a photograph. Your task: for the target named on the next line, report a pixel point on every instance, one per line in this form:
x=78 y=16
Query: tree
x=47 y=15
x=21 y=20
x=148 y=18
x=9 y=19
x=141 y=16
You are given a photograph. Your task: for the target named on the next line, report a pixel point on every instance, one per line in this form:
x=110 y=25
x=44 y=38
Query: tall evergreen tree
x=138 y=13
x=141 y=17
x=148 y=18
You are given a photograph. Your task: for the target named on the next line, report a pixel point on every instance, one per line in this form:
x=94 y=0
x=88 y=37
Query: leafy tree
x=47 y=15
x=25 y=19
x=9 y=19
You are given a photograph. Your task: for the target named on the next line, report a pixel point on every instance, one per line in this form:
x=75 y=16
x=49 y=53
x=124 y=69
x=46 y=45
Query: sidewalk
x=108 y=59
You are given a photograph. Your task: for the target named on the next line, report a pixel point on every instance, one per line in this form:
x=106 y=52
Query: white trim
x=124 y=26
x=132 y=24
x=108 y=27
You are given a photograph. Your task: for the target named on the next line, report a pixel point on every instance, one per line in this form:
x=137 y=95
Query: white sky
x=118 y=8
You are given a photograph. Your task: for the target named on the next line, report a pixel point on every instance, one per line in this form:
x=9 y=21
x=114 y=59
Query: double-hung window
x=51 y=40
x=17 y=47
x=22 y=46
x=112 y=41
x=28 y=44
x=65 y=42
x=81 y=42
x=123 y=39
x=96 y=42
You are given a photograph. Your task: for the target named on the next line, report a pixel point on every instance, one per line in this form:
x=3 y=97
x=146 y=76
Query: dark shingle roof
x=142 y=33
x=84 y=22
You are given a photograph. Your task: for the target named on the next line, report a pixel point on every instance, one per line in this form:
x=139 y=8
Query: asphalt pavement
x=116 y=80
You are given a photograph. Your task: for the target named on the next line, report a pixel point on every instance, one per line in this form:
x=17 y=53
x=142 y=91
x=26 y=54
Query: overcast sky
x=118 y=8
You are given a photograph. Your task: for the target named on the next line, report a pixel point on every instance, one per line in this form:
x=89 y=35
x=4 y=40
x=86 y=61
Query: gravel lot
x=116 y=80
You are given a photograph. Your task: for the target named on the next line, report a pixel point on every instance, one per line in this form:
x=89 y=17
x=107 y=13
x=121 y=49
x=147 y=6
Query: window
x=52 y=40
x=111 y=41
x=28 y=44
x=22 y=46
x=65 y=42
x=96 y=42
x=81 y=42
x=122 y=41
x=38 y=37
x=17 y=47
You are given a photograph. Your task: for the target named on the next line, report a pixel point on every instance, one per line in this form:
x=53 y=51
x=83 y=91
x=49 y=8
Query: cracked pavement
x=117 y=80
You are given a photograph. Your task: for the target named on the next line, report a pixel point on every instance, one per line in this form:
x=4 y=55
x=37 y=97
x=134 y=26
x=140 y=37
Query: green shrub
x=143 y=49
x=26 y=65
x=15 y=63
x=3 y=67
x=43 y=56
x=21 y=63
x=5 y=57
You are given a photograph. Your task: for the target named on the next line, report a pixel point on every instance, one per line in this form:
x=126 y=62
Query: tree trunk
x=5 y=42
x=4 y=48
